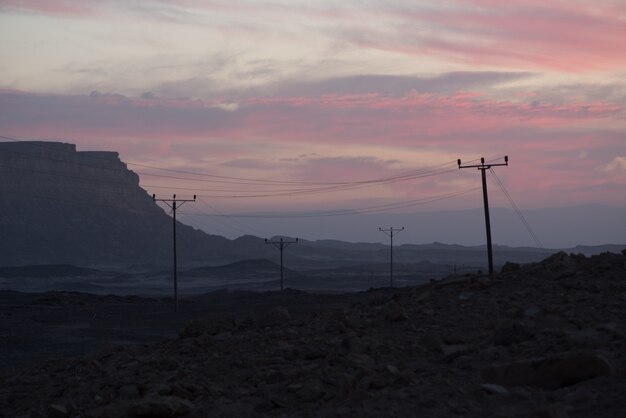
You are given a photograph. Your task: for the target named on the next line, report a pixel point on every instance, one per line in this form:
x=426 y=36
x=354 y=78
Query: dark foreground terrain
x=544 y=340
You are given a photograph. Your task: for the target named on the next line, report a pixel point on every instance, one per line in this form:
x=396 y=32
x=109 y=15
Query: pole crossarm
x=482 y=165
x=281 y=244
x=174 y=204
x=391 y=232
x=483 y=170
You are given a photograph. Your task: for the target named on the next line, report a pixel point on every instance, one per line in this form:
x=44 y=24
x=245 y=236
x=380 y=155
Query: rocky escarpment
x=542 y=340
x=64 y=206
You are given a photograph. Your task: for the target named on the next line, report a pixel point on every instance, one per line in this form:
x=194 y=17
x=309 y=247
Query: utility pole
x=483 y=168
x=391 y=232
x=281 y=245
x=174 y=204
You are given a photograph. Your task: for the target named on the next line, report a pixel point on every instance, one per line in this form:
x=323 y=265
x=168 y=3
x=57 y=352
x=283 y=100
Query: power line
x=534 y=236
x=223 y=220
x=352 y=211
x=322 y=187
x=250 y=181
x=416 y=174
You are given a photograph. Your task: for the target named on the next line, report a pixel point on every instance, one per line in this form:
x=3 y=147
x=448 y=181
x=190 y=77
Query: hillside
x=544 y=340
x=86 y=208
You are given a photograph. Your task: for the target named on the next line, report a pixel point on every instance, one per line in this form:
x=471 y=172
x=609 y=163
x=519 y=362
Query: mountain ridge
x=86 y=208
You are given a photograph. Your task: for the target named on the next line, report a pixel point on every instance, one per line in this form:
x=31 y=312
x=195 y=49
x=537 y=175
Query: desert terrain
x=545 y=339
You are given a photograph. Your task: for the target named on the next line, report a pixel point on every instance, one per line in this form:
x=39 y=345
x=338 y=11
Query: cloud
x=569 y=36
x=535 y=35
x=427 y=118
x=616 y=166
x=52 y=7
x=344 y=137
x=395 y=85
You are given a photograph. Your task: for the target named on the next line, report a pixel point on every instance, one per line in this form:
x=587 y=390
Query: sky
x=297 y=95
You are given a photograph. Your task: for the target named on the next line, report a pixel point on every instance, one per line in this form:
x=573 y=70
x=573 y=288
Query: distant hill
x=47 y=270
x=561 y=227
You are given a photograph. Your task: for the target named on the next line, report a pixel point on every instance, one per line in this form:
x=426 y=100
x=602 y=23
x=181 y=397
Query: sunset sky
x=329 y=92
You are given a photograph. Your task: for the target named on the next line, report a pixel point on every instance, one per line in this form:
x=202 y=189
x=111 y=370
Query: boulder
x=508 y=267
x=277 y=316
x=549 y=372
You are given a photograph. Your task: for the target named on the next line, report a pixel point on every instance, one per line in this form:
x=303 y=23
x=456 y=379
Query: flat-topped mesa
x=58 y=164
x=36 y=147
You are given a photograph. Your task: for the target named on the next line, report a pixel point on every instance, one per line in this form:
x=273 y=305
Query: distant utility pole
x=483 y=168
x=281 y=245
x=391 y=232
x=174 y=204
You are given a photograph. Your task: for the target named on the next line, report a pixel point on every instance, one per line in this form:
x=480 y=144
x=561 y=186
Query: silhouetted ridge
x=46 y=270
x=62 y=206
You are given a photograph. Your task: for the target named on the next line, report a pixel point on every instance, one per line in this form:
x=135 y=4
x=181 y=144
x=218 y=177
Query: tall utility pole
x=391 y=232
x=281 y=245
x=483 y=168
x=174 y=204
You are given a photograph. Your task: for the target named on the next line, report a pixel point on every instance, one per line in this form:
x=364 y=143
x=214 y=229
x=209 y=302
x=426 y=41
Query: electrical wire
x=232 y=224
x=277 y=188
x=519 y=213
x=355 y=211
x=248 y=181
x=238 y=194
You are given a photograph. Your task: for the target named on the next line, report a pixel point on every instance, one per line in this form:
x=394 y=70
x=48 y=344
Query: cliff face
x=62 y=206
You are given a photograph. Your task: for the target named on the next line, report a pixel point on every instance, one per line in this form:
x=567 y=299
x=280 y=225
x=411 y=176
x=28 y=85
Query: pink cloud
x=53 y=7
x=366 y=118
x=566 y=36
x=544 y=139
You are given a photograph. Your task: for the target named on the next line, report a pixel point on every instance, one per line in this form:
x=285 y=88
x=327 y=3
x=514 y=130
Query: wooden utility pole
x=483 y=168
x=391 y=232
x=174 y=204
x=281 y=245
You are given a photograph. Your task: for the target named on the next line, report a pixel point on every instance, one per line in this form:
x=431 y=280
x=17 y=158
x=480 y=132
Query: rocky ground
x=541 y=340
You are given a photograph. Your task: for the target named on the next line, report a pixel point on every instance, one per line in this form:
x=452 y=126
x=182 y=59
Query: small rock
x=57 y=411
x=532 y=311
x=128 y=391
x=168 y=364
x=397 y=314
x=611 y=329
x=452 y=351
x=277 y=316
x=423 y=296
x=514 y=334
x=310 y=391
x=393 y=370
x=482 y=283
x=164 y=406
x=495 y=389
x=588 y=338
x=315 y=354
x=463 y=296
x=553 y=411
x=163 y=389
x=431 y=342
x=427 y=403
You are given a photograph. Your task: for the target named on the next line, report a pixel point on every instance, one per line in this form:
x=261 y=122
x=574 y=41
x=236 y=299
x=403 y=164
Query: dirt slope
x=544 y=340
